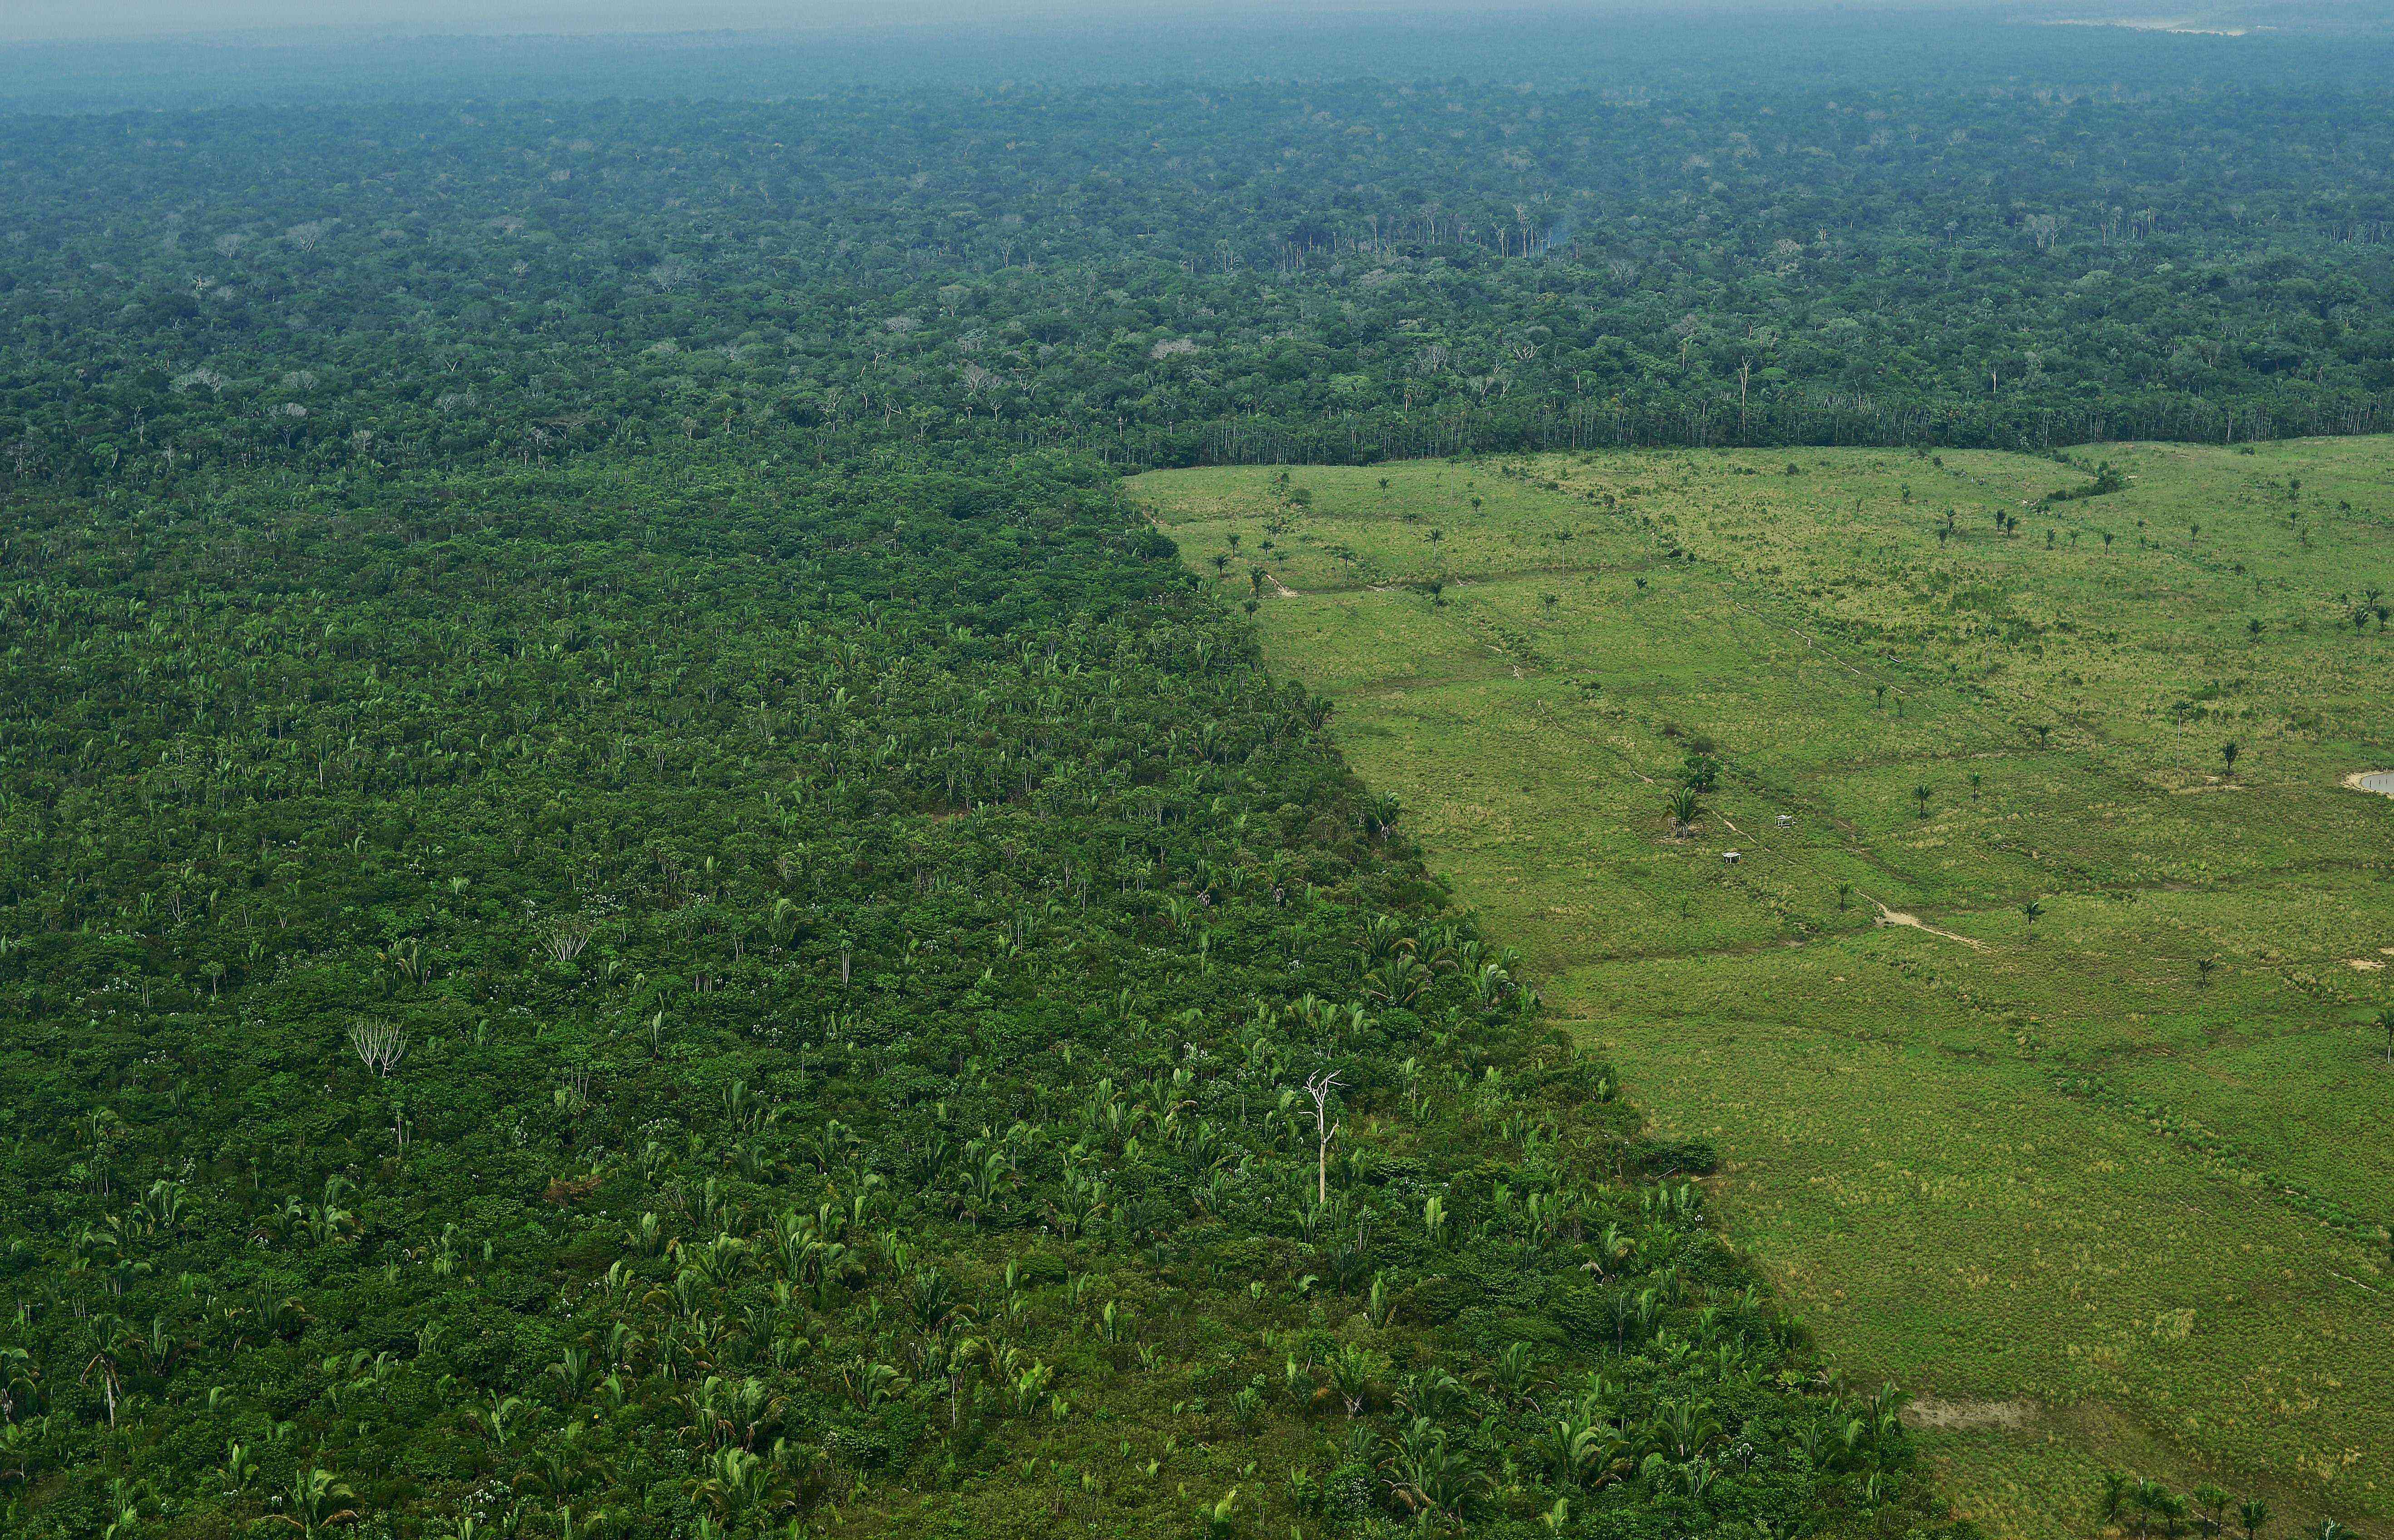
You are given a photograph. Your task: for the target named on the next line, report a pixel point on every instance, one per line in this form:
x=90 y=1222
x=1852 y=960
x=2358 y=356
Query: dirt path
x=1889 y=916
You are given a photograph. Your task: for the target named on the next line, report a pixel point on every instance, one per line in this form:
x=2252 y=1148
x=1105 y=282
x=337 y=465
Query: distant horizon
x=281 y=23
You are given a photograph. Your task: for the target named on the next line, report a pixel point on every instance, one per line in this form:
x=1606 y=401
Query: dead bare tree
x=568 y=934
x=1319 y=1088
x=378 y=1045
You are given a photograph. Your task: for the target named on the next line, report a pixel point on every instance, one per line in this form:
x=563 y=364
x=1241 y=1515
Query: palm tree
x=2385 y=1025
x=2150 y=1499
x=1921 y=794
x=1351 y=1370
x=2213 y=1501
x=2030 y=911
x=2253 y=1513
x=319 y=1499
x=2229 y=751
x=2115 y=1492
x=1683 y=807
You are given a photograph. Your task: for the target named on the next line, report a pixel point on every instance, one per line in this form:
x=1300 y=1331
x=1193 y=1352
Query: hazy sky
x=22 y=20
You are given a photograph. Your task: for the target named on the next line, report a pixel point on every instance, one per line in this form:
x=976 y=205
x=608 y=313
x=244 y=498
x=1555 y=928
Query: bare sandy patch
x=1890 y=917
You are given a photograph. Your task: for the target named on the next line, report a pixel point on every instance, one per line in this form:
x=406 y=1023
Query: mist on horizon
x=74 y=20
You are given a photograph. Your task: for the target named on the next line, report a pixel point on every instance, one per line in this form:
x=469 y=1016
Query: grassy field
x=2104 y=1181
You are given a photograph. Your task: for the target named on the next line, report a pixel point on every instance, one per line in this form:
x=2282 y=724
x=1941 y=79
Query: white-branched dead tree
x=1318 y=1088
x=379 y=1046
x=568 y=934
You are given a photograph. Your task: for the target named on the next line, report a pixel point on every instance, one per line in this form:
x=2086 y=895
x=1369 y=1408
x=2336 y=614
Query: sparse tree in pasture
x=2030 y=911
x=2254 y=1515
x=2150 y=1501
x=2114 y=1494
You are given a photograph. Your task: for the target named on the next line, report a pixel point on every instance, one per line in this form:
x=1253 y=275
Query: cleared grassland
x=2109 y=1186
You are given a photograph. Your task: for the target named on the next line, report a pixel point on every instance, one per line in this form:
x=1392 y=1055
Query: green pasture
x=2097 y=1160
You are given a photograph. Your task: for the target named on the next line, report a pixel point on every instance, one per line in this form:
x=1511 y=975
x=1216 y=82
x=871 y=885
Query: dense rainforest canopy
x=633 y=902
x=1166 y=276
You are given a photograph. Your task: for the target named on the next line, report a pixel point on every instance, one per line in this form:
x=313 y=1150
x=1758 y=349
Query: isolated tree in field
x=2150 y=1500
x=2253 y=629
x=1974 y=778
x=2229 y=751
x=2203 y=966
x=2030 y=911
x=1683 y=809
x=2253 y=1513
x=1921 y=794
x=2385 y=1025
x=2115 y=1492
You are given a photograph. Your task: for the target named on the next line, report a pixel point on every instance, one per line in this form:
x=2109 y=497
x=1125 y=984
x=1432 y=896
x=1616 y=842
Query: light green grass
x=2069 y=1166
